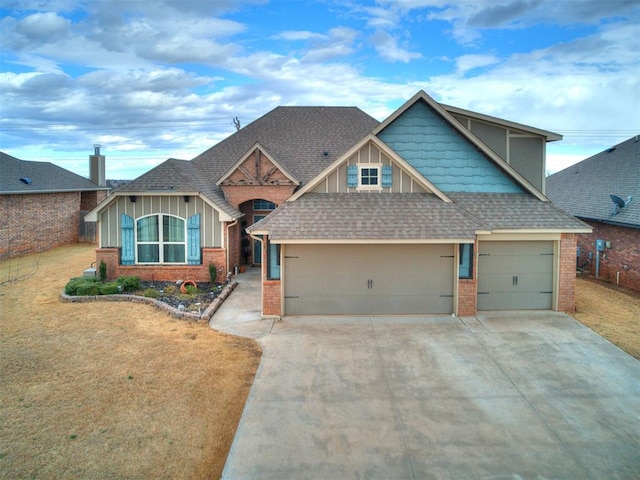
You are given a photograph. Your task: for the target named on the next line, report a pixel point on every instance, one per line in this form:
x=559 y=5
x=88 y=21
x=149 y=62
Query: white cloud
x=464 y=63
x=387 y=47
x=296 y=35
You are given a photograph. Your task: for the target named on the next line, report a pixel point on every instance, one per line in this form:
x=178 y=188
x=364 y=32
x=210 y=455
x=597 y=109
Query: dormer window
x=369 y=176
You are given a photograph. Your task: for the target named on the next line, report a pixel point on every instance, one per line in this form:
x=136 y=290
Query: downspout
x=229 y=225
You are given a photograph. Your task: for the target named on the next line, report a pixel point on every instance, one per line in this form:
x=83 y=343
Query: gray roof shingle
x=410 y=216
x=584 y=188
x=296 y=137
x=376 y=216
x=179 y=176
x=45 y=177
x=512 y=211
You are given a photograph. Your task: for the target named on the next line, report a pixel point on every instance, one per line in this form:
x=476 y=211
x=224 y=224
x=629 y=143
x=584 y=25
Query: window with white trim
x=369 y=176
x=160 y=239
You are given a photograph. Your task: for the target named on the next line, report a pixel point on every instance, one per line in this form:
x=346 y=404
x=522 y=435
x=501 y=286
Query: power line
x=110 y=126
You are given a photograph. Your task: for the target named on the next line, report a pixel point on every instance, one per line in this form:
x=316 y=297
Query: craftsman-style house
x=434 y=210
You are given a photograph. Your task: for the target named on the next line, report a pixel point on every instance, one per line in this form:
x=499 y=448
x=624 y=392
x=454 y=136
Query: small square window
x=369 y=176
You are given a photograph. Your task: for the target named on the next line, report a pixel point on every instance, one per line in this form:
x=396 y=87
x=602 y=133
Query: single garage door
x=515 y=275
x=368 y=279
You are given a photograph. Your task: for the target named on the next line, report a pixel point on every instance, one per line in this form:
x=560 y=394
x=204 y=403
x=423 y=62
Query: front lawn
x=102 y=390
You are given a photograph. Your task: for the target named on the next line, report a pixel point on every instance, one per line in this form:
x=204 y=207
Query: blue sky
x=150 y=80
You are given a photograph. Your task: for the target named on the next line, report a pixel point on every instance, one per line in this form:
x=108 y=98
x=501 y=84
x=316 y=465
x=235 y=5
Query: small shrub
x=129 y=284
x=151 y=293
x=103 y=271
x=191 y=290
x=170 y=290
x=213 y=272
x=91 y=288
x=71 y=288
x=110 y=288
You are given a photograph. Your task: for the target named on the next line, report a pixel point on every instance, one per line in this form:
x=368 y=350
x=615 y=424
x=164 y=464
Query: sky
x=151 y=80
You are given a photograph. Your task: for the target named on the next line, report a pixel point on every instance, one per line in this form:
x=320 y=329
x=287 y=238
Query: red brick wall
x=238 y=194
x=37 y=222
x=625 y=250
x=165 y=273
x=468 y=290
x=567 y=273
x=271 y=298
x=241 y=197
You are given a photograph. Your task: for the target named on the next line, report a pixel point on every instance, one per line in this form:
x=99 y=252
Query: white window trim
x=160 y=241
x=377 y=166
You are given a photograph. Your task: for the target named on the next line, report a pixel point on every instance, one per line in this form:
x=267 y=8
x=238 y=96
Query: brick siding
x=468 y=289
x=37 y=222
x=567 y=273
x=165 y=273
x=625 y=250
x=271 y=298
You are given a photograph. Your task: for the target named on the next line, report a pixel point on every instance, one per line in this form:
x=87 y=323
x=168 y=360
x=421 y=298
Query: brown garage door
x=515 y=275
x=368 y=279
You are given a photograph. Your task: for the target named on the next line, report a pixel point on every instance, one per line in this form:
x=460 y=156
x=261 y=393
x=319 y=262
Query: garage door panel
x=514 y=301
x=515 y=275
x=368 y=279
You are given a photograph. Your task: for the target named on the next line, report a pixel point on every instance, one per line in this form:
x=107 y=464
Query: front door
x=257 y=244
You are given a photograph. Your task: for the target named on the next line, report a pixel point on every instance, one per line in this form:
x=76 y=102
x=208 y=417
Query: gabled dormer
x=368 y=167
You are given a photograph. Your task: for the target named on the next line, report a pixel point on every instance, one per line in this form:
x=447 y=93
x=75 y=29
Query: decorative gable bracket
x=257 y=167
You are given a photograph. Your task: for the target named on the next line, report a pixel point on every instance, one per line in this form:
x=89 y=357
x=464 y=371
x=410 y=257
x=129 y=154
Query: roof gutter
x=31 y=192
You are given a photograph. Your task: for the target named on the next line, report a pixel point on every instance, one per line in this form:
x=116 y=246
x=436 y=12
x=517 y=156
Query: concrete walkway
x=501 y=396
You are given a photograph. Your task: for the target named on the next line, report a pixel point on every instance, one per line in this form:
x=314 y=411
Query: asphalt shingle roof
x=410 y=216
x=176 y=175
x=45 y=177
x=509 y=211
x=296 y=137
x=376 y=216
x=584 y=189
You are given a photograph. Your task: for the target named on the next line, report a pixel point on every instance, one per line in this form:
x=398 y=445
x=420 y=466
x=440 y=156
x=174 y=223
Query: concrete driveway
x=502 y=396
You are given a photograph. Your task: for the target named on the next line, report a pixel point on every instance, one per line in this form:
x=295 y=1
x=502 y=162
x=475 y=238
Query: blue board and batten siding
x=442 y=155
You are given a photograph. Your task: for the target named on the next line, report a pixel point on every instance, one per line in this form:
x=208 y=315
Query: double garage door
x=368 y=279
x=515 y=275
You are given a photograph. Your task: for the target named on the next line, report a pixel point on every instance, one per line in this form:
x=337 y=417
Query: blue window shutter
x=193 y=240
x=127 y=256
x=387 y=176
x=352 y=176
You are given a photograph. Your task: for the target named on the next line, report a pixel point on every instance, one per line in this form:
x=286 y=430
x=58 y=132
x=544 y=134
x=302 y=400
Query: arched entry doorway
x=254 y=211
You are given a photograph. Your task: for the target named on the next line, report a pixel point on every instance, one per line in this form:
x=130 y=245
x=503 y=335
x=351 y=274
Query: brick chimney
x=97 y=167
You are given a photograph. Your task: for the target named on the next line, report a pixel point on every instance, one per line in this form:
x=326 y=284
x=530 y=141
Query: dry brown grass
x=611 y=312
x=101 y=390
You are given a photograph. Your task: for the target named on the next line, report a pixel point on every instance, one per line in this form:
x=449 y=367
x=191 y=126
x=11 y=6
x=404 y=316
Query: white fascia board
x=550 y=136
x=370 y=241
x=92 y=216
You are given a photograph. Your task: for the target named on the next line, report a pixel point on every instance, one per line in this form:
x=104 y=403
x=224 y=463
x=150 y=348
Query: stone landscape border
x=123 y=297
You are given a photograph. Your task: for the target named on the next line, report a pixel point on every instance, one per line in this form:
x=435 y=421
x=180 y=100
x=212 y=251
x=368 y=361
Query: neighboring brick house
x=41 y=204
x=435 y=210
x=585 y=190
